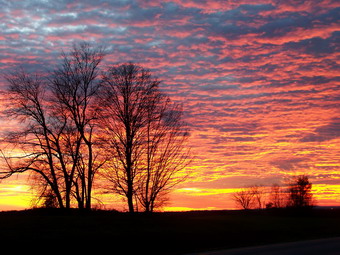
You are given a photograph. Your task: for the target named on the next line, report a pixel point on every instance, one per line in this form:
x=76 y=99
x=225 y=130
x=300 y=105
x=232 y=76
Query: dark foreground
x=329 y=246
x=162 y=233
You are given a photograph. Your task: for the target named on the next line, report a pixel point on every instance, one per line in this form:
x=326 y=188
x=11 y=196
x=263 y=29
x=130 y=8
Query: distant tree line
x=82 y=121
x=297 y=194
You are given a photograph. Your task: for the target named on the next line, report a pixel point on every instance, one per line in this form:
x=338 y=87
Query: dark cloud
x=324 y=133
x=291 y=164
x=333 y=179
x=239 y=127
x=317 y=46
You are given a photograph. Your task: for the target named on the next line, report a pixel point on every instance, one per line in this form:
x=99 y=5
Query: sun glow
x=15 y=197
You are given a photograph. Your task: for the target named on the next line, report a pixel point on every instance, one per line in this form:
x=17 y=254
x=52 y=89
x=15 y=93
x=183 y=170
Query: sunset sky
x=258 y=79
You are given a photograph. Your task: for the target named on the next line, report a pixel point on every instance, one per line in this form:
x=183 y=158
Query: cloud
x=324 y=133
x=317 y=46
x=290 y=164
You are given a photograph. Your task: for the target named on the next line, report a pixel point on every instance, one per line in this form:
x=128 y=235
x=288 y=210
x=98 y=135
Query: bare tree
x=251 y=197
x=277 y=197
x=164 y=153
x=144 y=133
x=75 y=87
x=58 y=116
x=40 y=135
x=244 y=199
x=258 y=193
x=61 y=143
x=126 y=89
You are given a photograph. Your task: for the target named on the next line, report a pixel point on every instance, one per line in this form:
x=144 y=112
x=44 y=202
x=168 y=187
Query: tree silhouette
x=300 y=195
x=165 y=152
x=145 y=136
x=258 y=193
x=40 y=136
x=252 y=197
x=57 y=115
x=244 y=199
x=75 y=87
x=277 y=197
x=74 y=120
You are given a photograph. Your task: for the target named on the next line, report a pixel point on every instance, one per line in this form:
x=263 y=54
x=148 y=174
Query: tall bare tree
x=39 y=137
x=145 y=136
x=164 y=154
x=75 y=87
x=58 y=116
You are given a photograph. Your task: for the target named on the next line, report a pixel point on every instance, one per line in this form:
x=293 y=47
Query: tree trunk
x=130 y=198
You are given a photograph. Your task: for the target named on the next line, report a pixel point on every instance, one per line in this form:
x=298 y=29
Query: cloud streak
x=259 y=79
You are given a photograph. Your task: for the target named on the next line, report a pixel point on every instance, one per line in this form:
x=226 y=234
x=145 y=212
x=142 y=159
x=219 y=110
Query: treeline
x=82 y=121
x=297 y=194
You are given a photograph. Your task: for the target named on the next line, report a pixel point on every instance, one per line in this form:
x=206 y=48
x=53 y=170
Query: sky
x=258 y=79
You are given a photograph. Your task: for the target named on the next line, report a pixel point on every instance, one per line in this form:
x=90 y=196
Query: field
x=161 y=233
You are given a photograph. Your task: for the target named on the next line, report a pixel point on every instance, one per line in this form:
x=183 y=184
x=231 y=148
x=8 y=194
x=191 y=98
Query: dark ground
x=328 y=246
x=160 y=233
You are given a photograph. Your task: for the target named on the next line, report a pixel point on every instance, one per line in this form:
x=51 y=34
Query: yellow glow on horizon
x=15 y=197
x=186 y=209
x=326 y=189
x=207 y=191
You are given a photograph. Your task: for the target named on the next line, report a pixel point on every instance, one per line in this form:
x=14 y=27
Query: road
x=329 y=246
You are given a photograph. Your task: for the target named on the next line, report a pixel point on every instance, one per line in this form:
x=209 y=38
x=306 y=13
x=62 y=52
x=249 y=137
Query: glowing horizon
x=259 y=82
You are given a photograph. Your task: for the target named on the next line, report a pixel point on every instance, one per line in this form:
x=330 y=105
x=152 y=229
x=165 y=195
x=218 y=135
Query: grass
x=162 y=233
